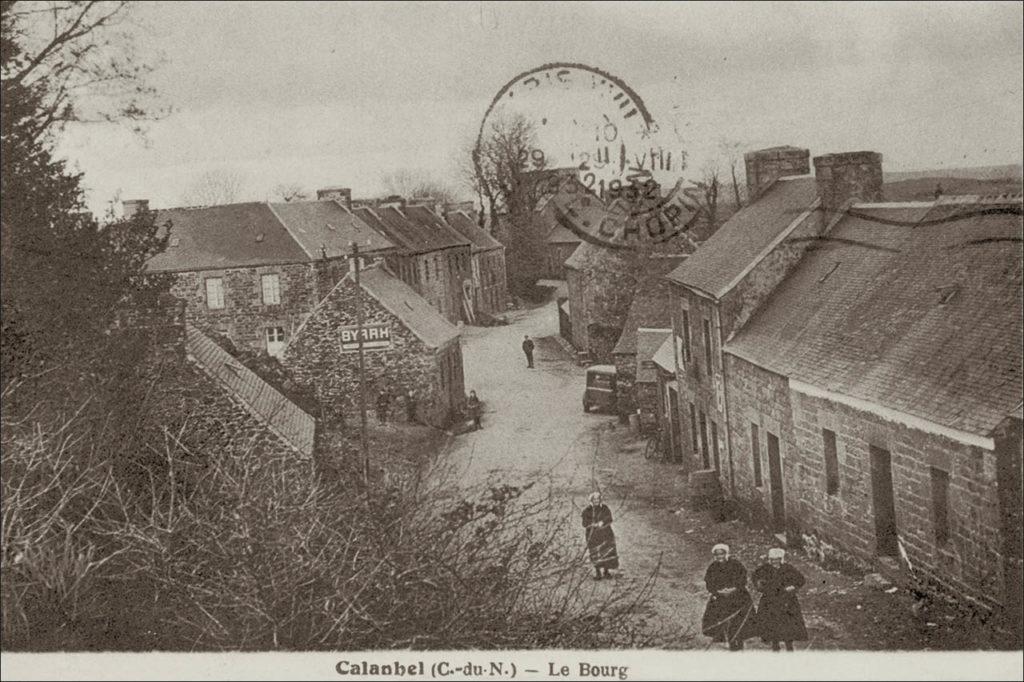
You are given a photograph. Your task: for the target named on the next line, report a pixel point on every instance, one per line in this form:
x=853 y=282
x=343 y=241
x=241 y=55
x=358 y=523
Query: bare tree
x=417 y=184
x=707 y=189
x=510 y=176
x=731 y=153
x=80 y=60
x=289 y=192
x=222 y=186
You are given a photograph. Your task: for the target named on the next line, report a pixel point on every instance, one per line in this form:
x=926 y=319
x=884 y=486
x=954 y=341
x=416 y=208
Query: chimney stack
x=343 y=195
x=765 y=166
x=850 y=175
x=131 y=207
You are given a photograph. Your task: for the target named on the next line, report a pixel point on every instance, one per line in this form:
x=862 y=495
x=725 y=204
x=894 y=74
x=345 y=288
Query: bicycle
x=654 y=448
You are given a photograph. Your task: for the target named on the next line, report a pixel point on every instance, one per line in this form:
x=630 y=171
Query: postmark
x=597 y=153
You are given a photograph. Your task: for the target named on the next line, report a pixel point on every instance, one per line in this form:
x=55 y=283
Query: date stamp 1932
x=597 y=152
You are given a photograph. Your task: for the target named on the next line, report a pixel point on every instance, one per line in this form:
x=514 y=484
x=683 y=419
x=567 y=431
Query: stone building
x=559 y=241
x=215 y=406
x=602 y=281
x=874 y=400
x=651 y=312
x=717 y=289
x=408 y=346
x=601 y=284
x=489 y=293
x=254 y=271
x=431 y=257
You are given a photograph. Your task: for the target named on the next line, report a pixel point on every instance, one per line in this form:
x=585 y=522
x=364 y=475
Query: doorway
x=677 y=436
x=883 y=502
x=775 y=478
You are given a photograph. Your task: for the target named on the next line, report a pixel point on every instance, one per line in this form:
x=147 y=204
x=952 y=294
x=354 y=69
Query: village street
x=534 y=429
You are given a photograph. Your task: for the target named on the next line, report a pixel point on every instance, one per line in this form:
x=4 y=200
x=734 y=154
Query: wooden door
x=775 y=479
x=884 y=502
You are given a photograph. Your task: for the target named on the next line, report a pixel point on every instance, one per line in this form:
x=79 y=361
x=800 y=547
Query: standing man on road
x=528 y=349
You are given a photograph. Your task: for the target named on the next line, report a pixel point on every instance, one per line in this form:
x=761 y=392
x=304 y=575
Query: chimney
x=850 y=175
x=765 y=166
x=342 y=195
x=131 y=207
x=391 y=201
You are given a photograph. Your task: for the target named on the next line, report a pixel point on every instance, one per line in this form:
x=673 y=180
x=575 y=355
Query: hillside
x=1007 y=172
x=923 y=189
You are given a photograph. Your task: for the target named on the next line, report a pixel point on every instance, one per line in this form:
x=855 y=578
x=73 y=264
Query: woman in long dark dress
x=597 y=524
x=779 y=618
x=729 y=615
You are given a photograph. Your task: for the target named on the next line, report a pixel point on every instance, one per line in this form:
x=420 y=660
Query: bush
x=220 y=552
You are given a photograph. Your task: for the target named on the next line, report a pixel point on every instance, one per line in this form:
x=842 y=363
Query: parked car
x=600 y=390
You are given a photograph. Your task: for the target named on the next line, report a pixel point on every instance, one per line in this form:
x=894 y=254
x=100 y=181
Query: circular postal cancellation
x=593 y=153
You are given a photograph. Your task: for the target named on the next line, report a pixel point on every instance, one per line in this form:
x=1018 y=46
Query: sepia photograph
x=511 y=340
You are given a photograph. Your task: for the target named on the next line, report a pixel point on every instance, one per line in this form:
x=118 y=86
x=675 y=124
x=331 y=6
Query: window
x=214 y=293
x=275 y=341
x=714 y=445
x=831 y=462
x=686 y=336
x=707 y=344
x=271 y=286
x=940 y=505
x=426 y=270
x=704 y=441
x=755 y=454
x=693 y=427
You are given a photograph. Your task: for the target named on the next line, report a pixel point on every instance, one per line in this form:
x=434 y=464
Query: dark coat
x=779 y=618
x=728 y=616
x=528 y=346
x=600 y=539
x=473 y=407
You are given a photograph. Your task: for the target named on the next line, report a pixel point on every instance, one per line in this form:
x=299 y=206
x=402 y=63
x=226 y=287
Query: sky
x=329 y=94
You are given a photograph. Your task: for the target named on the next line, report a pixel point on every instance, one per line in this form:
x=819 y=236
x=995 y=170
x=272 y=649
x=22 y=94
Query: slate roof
x=863 y=315
x=234 y=235
x=263 y=401
x=415 y=229
x=651 y=308
x=647 y=344
x=738 y=242
x=467 y=227
x=327 y=224
x=589 y=256
x=562 y=235
x=399 y=299
x=258 y=233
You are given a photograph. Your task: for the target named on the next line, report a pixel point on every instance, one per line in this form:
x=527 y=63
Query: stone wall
x=969 y=562
x=576 y=282
x=557 y=254
x=315 y=359
x=697 y=386
x=490 y=281
x=439 y=279
x=742 y=301
x=244 y=317
x=208 y=419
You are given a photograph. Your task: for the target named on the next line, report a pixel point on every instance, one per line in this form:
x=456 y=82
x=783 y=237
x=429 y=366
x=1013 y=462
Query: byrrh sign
x=375 y=337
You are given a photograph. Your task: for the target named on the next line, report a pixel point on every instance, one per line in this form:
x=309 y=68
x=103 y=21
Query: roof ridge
x=288 y=230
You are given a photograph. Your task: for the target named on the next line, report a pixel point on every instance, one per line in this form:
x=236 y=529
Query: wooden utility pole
x=364 y=443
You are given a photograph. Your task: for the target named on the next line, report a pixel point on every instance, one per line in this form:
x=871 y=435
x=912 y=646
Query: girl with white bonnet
x=779 y=618
x=729 y=615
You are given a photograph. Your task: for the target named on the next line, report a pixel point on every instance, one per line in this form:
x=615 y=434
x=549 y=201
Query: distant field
x=1008 y=172
x=923 y=188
